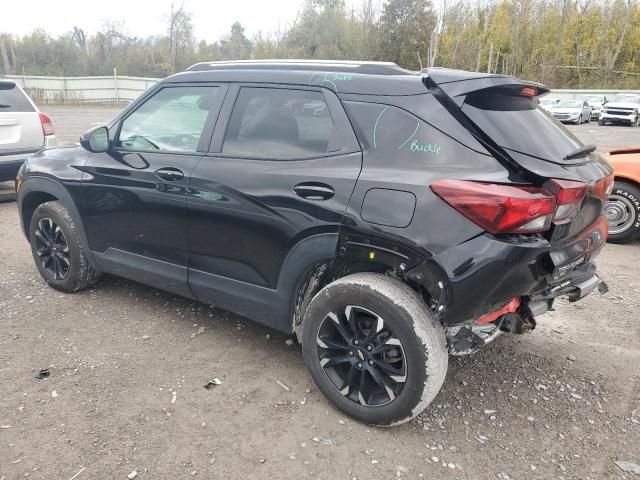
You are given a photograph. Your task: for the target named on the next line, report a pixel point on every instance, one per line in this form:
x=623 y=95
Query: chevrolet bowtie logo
x=360 y=355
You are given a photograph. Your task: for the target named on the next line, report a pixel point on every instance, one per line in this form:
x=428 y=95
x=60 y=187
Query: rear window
x=515 y=123
x=12 y=99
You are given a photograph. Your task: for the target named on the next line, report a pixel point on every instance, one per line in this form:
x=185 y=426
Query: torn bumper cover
x=517 y=316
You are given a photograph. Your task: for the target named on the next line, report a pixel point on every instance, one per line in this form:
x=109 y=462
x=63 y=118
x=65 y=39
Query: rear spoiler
x=457 y=84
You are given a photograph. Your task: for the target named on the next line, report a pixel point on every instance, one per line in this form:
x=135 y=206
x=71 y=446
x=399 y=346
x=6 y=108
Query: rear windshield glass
x=516 y=123
x=12 y=99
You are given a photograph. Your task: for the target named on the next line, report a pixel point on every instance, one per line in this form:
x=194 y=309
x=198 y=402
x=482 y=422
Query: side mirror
x=96 y=140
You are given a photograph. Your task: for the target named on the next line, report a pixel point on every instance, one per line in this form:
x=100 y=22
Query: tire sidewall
x=73 y=278
x=336 y=297
x=633 y=195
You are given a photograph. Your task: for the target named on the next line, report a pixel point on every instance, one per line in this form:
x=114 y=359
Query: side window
x=173 y=119
x=280 y=123
x=394 y=138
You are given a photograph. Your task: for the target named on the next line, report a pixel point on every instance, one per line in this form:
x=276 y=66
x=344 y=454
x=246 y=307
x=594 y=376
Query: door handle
x=314 y=191
x=170 y=174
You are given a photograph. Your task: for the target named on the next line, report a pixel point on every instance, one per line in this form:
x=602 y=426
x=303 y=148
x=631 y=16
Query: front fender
x=35 y=190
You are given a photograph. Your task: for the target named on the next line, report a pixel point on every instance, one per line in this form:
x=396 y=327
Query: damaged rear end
x=542 y=230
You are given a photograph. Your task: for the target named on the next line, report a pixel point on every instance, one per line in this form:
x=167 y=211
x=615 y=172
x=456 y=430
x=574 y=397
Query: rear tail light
x=529 y=91
x=603 y=187
x=569 y=196
x=47 y=126
x=499 y=208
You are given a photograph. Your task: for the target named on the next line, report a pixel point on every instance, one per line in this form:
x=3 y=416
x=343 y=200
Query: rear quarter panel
x=626 y=165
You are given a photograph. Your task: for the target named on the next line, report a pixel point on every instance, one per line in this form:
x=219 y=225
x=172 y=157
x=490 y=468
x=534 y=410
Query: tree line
x=562 y=43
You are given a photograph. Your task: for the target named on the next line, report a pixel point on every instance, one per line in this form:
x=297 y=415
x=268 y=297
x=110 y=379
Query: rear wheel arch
x=628 y=180
x=324 y=273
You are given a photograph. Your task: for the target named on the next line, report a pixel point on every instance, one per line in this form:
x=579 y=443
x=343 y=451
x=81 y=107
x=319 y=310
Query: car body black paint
x=233 y=231
x=375 y=207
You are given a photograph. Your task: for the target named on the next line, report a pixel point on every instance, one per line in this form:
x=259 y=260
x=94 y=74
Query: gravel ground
x=128 y=364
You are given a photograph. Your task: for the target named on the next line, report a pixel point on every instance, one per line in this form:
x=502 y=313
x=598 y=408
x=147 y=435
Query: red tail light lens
x=529 y=91
x=47 y=126
x=499 y=208
x=569 y=196
x=603 y=187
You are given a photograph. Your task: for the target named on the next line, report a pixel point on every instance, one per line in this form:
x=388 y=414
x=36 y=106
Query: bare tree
x=8 y=69
x=613 y=52
x=180 y=33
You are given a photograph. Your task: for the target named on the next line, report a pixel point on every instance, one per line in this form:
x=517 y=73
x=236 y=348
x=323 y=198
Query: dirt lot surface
x=128 y=364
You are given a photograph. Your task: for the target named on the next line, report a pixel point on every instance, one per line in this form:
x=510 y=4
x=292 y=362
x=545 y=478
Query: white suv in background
x=621 y=109
x=596 y=102
x=23 y=129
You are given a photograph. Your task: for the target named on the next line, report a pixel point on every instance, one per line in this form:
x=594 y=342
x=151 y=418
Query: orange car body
x=623 y=205
x=626 y=162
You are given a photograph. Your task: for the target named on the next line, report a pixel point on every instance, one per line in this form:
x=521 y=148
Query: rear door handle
x=314 y=191
x=170 y=174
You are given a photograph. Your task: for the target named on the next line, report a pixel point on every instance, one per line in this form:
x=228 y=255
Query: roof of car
x=343 y=77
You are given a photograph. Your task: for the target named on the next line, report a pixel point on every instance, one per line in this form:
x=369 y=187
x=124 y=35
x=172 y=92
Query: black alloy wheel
x=361 y=356
x=52 y=249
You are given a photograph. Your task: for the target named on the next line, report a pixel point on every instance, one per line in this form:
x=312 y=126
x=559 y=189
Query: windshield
x=570 y=104
x=509 y=121
x=596 y=99
x=625 y=98
x=547 y=101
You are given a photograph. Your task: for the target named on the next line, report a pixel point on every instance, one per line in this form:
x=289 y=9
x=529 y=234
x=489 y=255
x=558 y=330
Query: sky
x=212 y=19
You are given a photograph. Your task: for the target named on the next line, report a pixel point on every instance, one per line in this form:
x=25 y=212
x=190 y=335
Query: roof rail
x=366 y=67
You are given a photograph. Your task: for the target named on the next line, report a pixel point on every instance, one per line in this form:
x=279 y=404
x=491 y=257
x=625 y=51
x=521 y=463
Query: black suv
x=386 y=217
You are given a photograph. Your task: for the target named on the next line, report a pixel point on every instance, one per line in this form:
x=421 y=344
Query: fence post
x=115 y=84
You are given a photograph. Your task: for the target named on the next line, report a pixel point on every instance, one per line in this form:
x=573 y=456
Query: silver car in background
x=572 y=111
x=596 y=102
x=24 y=130
x=548 y=103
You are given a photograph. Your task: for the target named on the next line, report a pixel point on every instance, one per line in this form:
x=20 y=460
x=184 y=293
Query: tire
x=58 y=251
x=635 y=122
x=623 y=212
x=601 y=122
x=400 y=316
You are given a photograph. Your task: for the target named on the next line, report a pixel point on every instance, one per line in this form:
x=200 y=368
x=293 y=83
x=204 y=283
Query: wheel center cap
x=360 y=354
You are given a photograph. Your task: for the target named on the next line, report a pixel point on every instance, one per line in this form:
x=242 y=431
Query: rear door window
x=12 y=99
x=280 y=123
x=173 y=119
x=516 y=123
